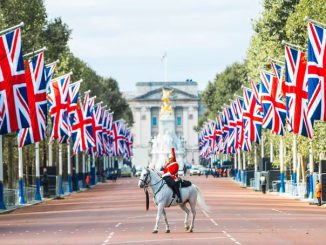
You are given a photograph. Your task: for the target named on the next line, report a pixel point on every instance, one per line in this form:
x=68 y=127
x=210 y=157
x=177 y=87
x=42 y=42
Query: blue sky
x=126 y=39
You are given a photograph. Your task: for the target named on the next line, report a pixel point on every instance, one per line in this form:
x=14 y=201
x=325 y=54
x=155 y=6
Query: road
x=114 y=213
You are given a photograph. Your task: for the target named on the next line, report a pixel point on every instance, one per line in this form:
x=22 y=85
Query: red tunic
x=171 y=168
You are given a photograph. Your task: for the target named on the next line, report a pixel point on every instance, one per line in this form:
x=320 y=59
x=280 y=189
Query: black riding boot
x=177 y=191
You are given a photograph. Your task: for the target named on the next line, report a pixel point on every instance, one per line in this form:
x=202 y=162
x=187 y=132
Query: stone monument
x=166 y=138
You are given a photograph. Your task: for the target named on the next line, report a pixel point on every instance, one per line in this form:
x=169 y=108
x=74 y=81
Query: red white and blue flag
x=107 y=132
x=14 y=110
x=98 y=130
x=49 y=71
x=118 y=138
x=36 y=91
x=58 y=106
x=232 y=139
x=81 y=129
x=296 y=90
x=274 y=109
x=252 y=117
x=316 y=73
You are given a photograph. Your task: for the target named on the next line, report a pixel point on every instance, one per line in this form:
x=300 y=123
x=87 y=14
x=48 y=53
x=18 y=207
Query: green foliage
x=222 y=89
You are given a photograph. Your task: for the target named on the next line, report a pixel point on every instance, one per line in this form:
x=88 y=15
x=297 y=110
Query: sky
x=126 y=39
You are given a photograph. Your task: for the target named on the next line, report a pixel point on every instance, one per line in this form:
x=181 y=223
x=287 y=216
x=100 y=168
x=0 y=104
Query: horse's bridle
x=145 y=180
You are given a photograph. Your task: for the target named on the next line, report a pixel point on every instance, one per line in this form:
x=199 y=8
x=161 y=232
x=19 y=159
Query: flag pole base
x=38 y=189
x=21 y=192
x=2 y=201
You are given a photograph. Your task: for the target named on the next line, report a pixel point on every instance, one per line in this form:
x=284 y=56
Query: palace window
x=179 y=121
x=154 y=121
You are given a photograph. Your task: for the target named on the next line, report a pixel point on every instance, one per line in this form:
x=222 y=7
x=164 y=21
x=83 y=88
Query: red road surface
x=114 y=213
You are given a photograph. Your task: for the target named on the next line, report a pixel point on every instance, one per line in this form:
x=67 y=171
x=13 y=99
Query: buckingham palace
x=145 y=103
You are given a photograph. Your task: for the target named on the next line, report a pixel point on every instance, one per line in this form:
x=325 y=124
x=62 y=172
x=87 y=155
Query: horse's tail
x=201 y=200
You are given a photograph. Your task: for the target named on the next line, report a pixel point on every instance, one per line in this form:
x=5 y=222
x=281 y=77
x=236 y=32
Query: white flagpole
x=84 y=170
x=282 y=187
x=271 y=152
x=235 y=163
x=12 y=28
x=60 y=191
x=93 y=170
x=50 y=155
x=2 y=201
x=37 y=172
x=255 y=158
x=21 y=177
x=239 y=166
x=294 y=156
x=311 y=170
x=69 y=168
x=76 y=172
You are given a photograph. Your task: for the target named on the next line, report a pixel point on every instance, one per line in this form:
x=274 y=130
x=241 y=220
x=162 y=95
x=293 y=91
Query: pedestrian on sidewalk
x=263 y=184
x=45 y=183
x=87 y=180
x=318 y=192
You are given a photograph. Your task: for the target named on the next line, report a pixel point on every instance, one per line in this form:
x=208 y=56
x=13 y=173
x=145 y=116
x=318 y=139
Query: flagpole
x=60 y=191
x=93 y=170
x=293 y=46
x=21 y=177
x=314 y=22
x=271 y=152
x=239 y=166
x=255 y=158
x=12 y=28
x=69 y=168
x=235 y=163
x=83 y=170
x=33 y=53
x=77 y=172
x=244 y=168
x=282 y=187
x=294 y=156
x=50 y=155
x=2 y=203
x=37 y=172
x=311 y=170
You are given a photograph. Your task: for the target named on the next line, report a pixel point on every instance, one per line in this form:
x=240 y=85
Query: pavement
x=114 y=213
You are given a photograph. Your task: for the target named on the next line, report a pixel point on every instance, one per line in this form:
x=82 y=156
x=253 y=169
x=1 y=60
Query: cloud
x=126 y=38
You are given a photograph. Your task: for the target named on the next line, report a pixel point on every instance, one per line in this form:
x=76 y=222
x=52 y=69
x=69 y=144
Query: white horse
x=163 y=197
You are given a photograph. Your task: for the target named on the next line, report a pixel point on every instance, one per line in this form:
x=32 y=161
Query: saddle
x=183 y=183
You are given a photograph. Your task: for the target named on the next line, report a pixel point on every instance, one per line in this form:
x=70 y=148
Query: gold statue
x=166 y=107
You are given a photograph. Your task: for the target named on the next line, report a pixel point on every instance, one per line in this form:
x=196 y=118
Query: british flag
x=14 y=110
x=252 y=118
x=73 y=95
x=49 y=71
x=58 y=105
x=36 y=91
x=81 y=129
x=225 y=118
x=107 y=132
x=240 y=130
x=98 y=130
x=274 y=109
x=316 y=73
x=118 y=138
x=232 y=138
x=88 y=108
x=296 y=90
x=128 y=144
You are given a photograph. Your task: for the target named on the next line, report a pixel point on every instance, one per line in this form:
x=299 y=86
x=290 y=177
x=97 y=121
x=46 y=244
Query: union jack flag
x=274 y=109
x=296 y=89
x=107 y=132
x=240 y=130
x=88 y=108
x=14 y=110
x=98 y=130
x=316 y=73
x=128 y=144
x=36 y=91
x=225 y=118
x=81 y=129
x=73 y=95
x=231 y=144
x=58 y=104
x=49 y=71
x=118 y=138
x=252 y=118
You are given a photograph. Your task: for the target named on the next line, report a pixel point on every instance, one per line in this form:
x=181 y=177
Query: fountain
x=166 y=138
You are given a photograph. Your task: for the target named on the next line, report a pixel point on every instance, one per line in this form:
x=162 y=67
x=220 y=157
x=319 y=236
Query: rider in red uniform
x=170 y=174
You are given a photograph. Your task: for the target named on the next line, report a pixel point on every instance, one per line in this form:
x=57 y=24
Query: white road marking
x=280 y=211
x=117 y=225
x=213 y=221
x=107 y=240
x=206 y=214
x=231 y=238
